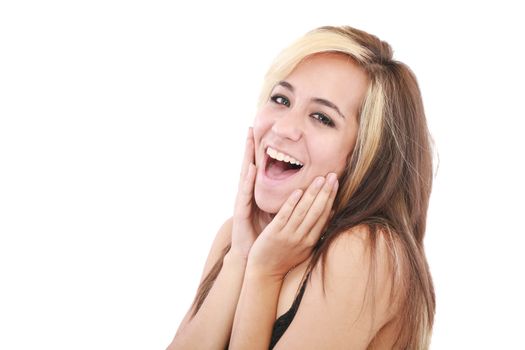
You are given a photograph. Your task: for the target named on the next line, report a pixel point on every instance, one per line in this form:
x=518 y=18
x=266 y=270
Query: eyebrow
x=318 y=100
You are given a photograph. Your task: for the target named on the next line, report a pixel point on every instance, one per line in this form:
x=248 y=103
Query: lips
x=279 y=166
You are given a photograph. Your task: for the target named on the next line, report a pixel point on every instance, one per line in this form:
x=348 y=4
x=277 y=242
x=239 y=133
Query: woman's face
x=308 y=127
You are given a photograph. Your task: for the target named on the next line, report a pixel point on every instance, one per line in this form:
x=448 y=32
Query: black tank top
x=281 y=324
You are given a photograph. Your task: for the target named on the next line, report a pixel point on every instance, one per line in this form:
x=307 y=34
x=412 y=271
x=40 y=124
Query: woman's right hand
x=243 y=229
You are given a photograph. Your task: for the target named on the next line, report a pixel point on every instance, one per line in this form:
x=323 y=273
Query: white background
x=121 y=130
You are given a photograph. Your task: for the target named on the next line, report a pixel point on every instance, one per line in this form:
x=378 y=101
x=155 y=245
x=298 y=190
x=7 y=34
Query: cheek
x=261 y=126
x=261 y=120
x=332 y=158
x=341 y=166
x=344 y=150
x=335 y=164
x=257 y=131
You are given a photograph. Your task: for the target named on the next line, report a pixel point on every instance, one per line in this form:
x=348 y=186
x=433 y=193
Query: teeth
x=282 y=157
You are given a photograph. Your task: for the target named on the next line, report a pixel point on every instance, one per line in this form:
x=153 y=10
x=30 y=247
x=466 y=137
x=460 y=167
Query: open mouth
x=280 y=166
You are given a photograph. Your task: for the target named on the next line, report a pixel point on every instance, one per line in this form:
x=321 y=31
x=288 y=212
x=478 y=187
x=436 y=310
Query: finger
x=318 y=206
x=247 y=183
x=318 y=227
x=245 y=194
x=283 y=215
x=304 y=204
x=248 y=157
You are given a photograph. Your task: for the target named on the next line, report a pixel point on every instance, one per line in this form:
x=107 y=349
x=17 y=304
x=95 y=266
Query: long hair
x=388 y=178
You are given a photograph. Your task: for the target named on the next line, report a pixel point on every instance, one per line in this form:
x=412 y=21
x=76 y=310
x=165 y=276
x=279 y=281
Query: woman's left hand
x=289 y=238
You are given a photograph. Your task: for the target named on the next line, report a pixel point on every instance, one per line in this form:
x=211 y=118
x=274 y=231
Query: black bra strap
x=281 y=324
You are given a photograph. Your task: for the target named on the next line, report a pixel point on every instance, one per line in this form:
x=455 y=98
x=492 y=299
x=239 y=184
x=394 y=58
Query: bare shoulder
x=353 y=292
x=358 y=246
x=224 y=235
x=362 y=266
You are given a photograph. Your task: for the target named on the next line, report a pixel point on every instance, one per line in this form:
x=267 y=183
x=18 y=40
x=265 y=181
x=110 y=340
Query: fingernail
x=319 y=182
x=331 y=178
x=297 y=194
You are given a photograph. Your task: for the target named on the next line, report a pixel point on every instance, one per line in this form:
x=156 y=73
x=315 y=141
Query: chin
x=268 y=202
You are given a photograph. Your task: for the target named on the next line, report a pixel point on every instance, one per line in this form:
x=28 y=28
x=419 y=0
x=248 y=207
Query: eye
x=281 y=100
x=322 y=118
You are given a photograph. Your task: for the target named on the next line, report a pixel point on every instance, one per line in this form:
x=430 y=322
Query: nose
x=288 y=126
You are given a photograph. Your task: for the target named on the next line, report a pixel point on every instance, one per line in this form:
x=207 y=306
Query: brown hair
x=387 y=182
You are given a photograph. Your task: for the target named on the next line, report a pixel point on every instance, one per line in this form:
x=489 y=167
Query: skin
x=277 y=234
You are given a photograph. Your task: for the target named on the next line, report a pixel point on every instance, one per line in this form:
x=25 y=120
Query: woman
x=325 y=247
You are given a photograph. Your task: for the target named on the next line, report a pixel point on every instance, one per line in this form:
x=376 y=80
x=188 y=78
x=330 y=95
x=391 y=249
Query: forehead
x=332 y=76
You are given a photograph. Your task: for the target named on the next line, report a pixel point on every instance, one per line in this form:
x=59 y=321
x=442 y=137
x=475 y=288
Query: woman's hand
x=289 y=238
x=243 y=230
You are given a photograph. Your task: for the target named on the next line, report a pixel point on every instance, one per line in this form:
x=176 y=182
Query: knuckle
x=301 y=210
x=317 y=211
x=312 y=192
x=292 y=240
x=280 y=219
x=325 y=214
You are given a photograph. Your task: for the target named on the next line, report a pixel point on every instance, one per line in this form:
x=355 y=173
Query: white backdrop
x=121 y=130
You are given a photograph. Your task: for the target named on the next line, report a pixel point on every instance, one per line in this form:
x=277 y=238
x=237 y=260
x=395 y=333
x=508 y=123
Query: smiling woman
x=325 y=246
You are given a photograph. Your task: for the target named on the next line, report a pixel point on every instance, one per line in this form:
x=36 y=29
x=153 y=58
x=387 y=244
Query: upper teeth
x=282 y=157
